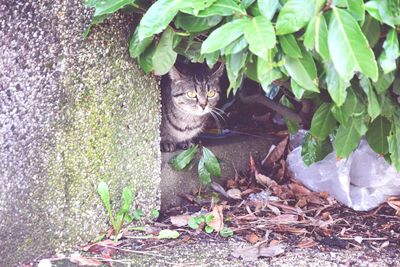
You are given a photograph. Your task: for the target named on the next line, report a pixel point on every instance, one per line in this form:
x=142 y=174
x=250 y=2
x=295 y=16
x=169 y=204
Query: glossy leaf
x=297 y=90
x=158 y=16
x=372 y=30
x=336 y=85
x=211 y=58
x=168 y=234
x=314 y=150
x=268 y=7
x=348 y=136
x=234 y=67
x=357 y=9
x=108 y=6
x=222 y=8
x=164 y=56
x=136 y=47
x=384 y=81
x=194 y=24
x=184 y=158
x=323 y=122
x=394 y=142
x=260 y=35
x=145 y=60
x=349 y=48
x=104 y=193
x=303 y=71
x=204 y=174
x=391 y=52
x=224 y=35
x=235 y=47
x=374 y=108
x=377 y=135
x=289 y=45
x=266 y=73
x=211 y=162
x=226 y=232
x=294 y=15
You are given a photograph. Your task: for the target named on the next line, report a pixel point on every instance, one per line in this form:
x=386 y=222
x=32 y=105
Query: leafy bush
x=342 y=55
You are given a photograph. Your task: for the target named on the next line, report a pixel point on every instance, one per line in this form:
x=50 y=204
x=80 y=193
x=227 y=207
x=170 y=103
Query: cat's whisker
x=220 y=110
x=216 y=120
x=216 y=113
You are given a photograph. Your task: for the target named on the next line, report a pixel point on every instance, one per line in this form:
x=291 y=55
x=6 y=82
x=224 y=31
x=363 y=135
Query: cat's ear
x=218 y=71
x=175 y=75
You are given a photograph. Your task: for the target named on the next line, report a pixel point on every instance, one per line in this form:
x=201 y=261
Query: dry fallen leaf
x=82 y=261
x=306 y=242
x=264 y=180
x=252 y=238
x=218 y=222
x=276 y=153
x=394 y=202
x=180 y=220
x=254 y=252
x=234 y=193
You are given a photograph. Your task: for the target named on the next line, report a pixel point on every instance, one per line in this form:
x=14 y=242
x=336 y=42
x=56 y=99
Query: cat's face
x=195 y=94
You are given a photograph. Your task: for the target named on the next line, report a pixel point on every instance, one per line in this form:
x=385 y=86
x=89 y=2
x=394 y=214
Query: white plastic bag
x=362 y=181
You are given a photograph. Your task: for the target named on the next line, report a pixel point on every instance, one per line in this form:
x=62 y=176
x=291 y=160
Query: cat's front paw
x=185 y=144
x=167 y=146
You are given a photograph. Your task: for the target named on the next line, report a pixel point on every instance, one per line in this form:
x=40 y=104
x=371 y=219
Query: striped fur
x=184 y=116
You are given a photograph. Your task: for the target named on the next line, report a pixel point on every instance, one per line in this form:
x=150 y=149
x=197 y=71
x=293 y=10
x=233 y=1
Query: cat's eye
x=191 y=94
x=211 y=93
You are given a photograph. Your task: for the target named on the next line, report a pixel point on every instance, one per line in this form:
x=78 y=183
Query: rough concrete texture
x=233 y=153
x=73 y=112
x=210 y=253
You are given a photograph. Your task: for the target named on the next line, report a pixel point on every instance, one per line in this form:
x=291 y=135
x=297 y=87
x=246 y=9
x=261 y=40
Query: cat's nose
x=203 y=106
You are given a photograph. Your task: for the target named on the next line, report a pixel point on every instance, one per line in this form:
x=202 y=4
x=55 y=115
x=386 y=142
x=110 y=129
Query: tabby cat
x=187 y=100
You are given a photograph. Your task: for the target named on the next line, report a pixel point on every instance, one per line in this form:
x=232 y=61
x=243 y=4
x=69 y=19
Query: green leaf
x=293 y=127
x=374 y=108
x=224 y=35
x=222 y=8
x=297 y=90
x=211 y=162
x=323 y=122
x=394 y=142
x=391 y=52
x=266 y=74
x=384 y=81
x=314 y=150
x=384 y=11
x=108 y=6
x=352 y=107
x=154 y=213
x=159 y=15
x=268 y=7
x=194 y=24
x=303 y=71
x=316 y=36
x=191 y=50
x=184 y=158
x=104 y=193
x=336 y=85
x=235 y=47
x=193 y=223
x=294 y=15
x=145 y=60
x=126 y=199
x=226 y=232
x=357 y=9
x=168 y=234
x=212 y=58
x=349 y=48
x=137 y=214
x=204 y=174
x=208 y=229
x=164 y=57
x=247 y=3
x=371 y=29
x=137 y=47
x=289 y=45
x=347 y=137
x=377 y=135
x=260 y=35
x=198 y=5
x=234 y=67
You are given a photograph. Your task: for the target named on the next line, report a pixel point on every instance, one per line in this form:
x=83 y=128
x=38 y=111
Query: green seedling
x=204 y=221
x=122 y=216
x=208 y=163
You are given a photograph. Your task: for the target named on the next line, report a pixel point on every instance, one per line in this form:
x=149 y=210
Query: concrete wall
x=73 y=112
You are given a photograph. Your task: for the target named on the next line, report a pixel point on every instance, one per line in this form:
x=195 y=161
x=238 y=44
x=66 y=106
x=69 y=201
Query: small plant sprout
x=122 y=216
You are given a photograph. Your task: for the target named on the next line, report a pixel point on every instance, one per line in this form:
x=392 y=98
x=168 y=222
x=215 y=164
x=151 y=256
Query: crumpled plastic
x=362 y=181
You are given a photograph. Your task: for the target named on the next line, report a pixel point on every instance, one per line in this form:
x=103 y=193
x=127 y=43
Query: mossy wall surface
x=73 y=112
